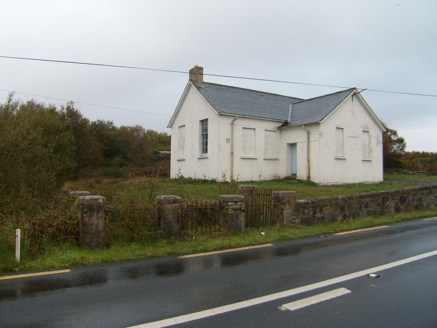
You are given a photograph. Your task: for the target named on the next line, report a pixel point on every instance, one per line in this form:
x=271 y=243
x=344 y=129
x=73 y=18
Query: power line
x=166 y=115
x=411 y=126
x=84 y=103
x=215 y=75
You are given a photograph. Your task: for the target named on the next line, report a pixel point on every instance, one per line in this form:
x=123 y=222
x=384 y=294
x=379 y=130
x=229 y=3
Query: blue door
x=292 y=151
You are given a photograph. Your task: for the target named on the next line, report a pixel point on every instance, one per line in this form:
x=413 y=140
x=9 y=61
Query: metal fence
x=204 y=216
x=200 y=216
x=258 y=208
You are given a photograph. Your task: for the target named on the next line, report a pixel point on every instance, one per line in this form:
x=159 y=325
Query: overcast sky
x=375 y=44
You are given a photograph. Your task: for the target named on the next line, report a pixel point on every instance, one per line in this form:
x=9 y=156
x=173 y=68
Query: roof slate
x=245 y=102
x=316 y=109
x=238 y=101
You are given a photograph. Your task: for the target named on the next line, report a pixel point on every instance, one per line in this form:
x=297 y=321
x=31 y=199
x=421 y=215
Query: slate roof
x=238 y=101
x=316 y=109
x=244 y=102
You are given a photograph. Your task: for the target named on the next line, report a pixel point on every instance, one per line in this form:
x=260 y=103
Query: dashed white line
x=315 y=299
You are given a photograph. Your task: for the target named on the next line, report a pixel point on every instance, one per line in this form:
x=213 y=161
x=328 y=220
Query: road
x=259 y=287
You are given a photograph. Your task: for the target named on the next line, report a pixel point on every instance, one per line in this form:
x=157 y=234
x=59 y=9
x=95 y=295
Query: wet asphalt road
x=137 y=292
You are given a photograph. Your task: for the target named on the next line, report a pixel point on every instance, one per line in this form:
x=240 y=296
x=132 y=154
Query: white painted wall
x=354 y=119
x=257 y=167
x=325 y=167
x=193 y=108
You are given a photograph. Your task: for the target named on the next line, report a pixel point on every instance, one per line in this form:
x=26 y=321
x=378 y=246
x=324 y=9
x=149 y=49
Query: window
x=248 y=142
x=204 y=138
x=181 y=152
x=339 y=147
x=366 y=145
x=270 y=144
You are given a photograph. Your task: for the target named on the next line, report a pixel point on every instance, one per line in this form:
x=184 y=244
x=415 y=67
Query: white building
x=223 y=131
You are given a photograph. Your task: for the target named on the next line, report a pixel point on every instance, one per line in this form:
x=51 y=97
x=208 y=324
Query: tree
x=394 y=148
x=89 y=153
x=115 y=147
x=36 y=151
x=140 y=145
x=160 y=140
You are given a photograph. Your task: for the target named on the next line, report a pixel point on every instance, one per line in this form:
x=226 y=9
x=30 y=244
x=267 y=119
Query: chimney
x=196 y=75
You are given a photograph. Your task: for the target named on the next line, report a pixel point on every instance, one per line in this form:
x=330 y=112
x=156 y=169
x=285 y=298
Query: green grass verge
x=71 y=255
x=409 y=177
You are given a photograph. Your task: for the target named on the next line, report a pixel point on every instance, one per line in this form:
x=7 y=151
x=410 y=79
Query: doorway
x=292 y=159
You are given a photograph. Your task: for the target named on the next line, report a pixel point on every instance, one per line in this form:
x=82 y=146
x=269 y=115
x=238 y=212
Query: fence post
x=169 y=209
x=92 y=221
x=232 y=213
x=247 y=189
x=17 y=245
x=284 y=207
x=77 y=194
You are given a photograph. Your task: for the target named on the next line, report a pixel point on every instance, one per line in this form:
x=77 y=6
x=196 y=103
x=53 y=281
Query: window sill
x=342 y=158
x=248 y=157
x=366 y=159
x=180 y=159
x=202 y=157
x=271 y=158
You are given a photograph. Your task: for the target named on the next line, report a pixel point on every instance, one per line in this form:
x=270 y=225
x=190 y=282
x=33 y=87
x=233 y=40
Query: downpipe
x=308 y=154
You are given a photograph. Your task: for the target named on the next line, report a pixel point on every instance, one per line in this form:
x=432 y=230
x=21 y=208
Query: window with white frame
x=271 y=149
x=366 y=145
x=181 y=152
x=204 y=137
x=248 y=142
x=339 y=142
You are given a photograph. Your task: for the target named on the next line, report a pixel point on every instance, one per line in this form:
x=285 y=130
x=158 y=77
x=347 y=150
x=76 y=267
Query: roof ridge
x=270 y=93
x=330 y=94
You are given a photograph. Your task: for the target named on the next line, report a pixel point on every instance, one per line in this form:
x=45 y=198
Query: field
x=147 y=188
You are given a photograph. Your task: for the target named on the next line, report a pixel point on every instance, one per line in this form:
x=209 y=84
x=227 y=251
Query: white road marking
x=359 y=230
x=276 y=296
x=315 y=299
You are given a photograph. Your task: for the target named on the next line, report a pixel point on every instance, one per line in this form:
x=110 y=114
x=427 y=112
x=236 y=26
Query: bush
x=51 y=227
x=132 y=214
x=36 y=154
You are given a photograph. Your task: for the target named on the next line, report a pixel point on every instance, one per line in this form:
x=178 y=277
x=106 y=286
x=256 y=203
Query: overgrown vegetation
x=70 y=254
x=41 y=147
x=36 y=155
x=397 y=159
x=191 y=189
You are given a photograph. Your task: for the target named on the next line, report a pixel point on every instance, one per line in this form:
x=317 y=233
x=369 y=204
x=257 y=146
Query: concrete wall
x=338 y=208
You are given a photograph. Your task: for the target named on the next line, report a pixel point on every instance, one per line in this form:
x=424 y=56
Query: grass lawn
x=407 y=177
x=190 y=189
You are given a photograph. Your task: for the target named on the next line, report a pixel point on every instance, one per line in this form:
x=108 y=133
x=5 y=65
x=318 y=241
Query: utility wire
x=84 y=103
x=215 y=75
x=166 y=115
